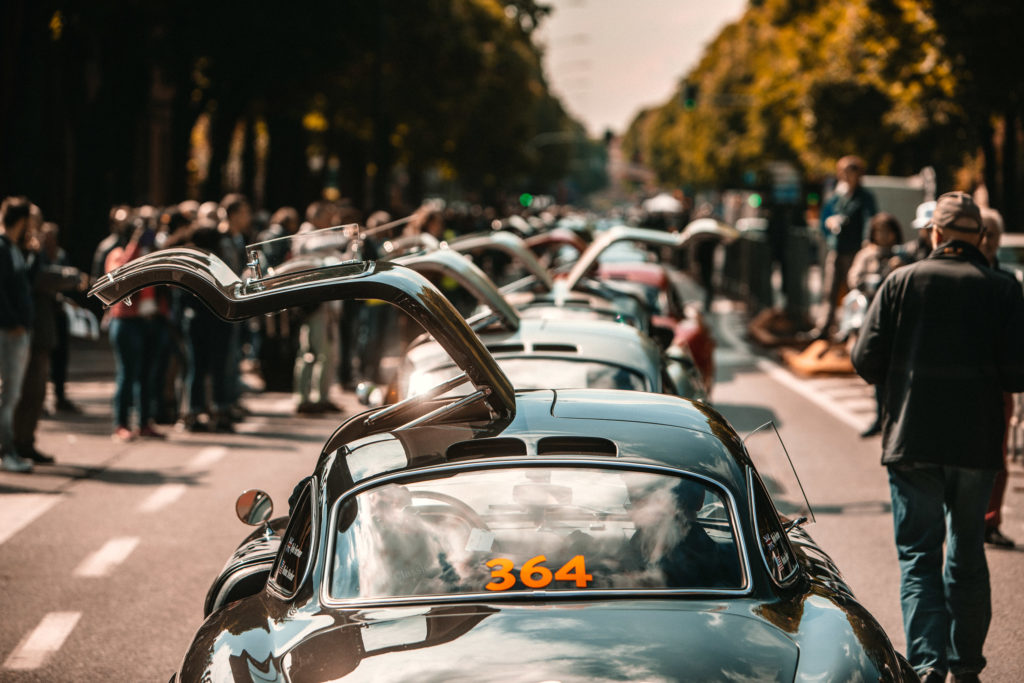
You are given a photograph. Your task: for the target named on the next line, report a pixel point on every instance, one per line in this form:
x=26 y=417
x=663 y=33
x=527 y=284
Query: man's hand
x=834 y=224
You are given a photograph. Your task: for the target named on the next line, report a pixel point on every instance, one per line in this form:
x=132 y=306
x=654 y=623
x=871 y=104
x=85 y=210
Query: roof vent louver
x=485 y=448
x=505 y=348
x=561 y=348
x=576 y=445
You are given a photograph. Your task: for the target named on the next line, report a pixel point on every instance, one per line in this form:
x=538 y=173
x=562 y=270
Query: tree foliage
x=808 y=81
x=449 y=90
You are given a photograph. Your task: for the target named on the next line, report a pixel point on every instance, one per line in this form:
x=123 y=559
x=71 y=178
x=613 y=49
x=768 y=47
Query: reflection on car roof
x=656 y=429
x=597 y=340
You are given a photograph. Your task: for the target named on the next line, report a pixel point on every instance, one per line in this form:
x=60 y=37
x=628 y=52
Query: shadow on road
x=7 y=488
x=113 y=475
x=746 y=418
x=863 y=507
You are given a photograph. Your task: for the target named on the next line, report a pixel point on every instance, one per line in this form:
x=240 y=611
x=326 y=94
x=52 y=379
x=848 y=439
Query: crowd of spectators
x=176 y=364
x=33 y=328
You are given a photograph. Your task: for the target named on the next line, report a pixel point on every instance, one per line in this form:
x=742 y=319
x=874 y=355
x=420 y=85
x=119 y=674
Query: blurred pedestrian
x=919 y=247
x=207 y=339
x=318 y=329
x=426 y=219
x=283 y=223
x=236 y=221
x=944 y=337
x=47 y=280
x=871 y=265
x=16 y=318
x=993 y=222
x=134 y=334
x=59 y=358
x=375 y=333
x=117 y=224
x=852 y=208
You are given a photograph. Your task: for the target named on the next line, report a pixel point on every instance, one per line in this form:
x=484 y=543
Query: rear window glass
x=538 y=528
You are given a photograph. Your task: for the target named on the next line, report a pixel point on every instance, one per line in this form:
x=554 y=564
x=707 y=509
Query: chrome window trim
x=314 y=519
x=327 y=600
x=788 y=580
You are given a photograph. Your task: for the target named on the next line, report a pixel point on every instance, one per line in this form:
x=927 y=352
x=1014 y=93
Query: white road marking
x=162 y=497
x=852 y=391
x=835 y=384
x=205 y=458
x=812 y=389
x=837 y=410
x=113 y=553
x=43 y=641
x=18 y=510
x=860 y=406
x=284 y=406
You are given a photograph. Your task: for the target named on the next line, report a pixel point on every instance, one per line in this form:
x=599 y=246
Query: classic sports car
x=653 y=307
x=539 y=535
x=616 y=261
x=549 y=352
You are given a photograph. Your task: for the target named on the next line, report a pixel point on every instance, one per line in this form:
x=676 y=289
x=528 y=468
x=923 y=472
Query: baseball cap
x=923 y=219
x=957 y=211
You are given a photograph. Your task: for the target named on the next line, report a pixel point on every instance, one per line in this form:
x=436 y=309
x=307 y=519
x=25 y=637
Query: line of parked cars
x=543 y=493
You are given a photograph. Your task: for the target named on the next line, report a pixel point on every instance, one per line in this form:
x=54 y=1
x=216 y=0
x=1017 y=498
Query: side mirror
x=254 y=507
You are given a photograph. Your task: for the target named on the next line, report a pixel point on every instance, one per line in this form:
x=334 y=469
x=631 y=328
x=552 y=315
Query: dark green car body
x=785 y=615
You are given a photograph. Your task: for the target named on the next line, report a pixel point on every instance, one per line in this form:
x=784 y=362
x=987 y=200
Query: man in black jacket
x=944 y=337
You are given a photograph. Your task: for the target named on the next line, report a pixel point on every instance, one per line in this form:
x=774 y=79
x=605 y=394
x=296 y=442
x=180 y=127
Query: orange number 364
x=535 y=575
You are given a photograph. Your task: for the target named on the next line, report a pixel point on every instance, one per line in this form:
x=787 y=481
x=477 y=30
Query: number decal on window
x=500 y=570
x=574 y=570
x=535 y=575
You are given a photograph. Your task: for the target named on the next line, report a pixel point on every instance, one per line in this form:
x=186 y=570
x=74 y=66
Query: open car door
x=511 y=245
x=446 y=262
x=229 y=297
x=695 y=232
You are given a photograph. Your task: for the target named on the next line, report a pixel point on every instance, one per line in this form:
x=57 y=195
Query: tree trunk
x=1010 y=207
x=991 y=169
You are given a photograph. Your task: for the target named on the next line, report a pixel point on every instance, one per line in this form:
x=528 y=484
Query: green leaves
x=808 y=81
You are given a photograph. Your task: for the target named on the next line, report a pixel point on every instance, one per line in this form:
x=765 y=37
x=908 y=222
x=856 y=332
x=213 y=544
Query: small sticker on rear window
x=479 y=541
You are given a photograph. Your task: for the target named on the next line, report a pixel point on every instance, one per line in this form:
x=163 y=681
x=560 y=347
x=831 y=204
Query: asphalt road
x=106 y=557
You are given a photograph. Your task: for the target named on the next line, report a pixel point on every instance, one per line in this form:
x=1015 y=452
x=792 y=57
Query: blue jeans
x=208 y=339
x=13 y=362
x=946 y=612
x=135 y=340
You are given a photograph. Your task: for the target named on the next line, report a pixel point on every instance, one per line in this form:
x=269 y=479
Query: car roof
x=610 y=303
x=596 y=340
x=649 y=429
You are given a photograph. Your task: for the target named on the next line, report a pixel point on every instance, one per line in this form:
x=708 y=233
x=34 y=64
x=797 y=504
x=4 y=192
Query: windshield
x=543 y=528
x=544 y=373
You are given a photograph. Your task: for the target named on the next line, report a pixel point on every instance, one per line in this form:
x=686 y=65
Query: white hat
x=924 y=215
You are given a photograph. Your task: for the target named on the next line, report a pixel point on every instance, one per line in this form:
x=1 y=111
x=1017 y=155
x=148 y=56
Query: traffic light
x=690 y=91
